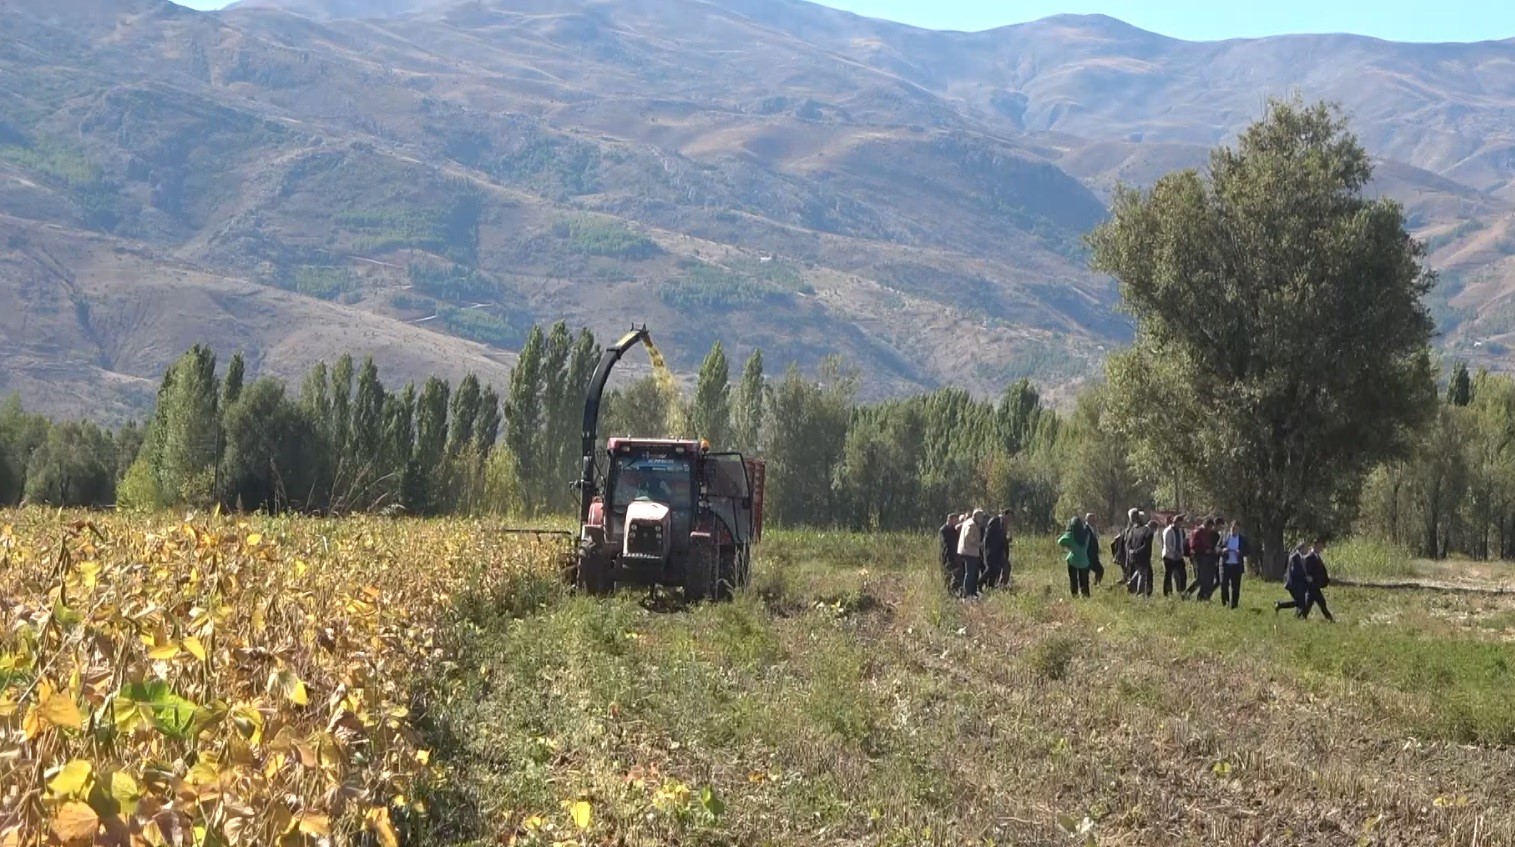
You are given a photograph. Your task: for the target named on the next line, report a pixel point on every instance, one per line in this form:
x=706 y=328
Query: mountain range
x=422 y=180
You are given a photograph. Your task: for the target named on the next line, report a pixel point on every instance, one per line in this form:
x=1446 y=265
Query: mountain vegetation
x=423 y=181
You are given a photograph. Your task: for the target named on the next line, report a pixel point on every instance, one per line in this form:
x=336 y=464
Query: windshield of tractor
x=666 y=479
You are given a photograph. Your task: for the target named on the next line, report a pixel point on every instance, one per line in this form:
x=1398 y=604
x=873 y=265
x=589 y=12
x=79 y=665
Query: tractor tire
x=702 y=573
x=594 y=574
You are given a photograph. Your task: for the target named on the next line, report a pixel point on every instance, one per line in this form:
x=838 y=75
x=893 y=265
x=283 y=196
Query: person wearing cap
x=970 y=549
x=1175 y=574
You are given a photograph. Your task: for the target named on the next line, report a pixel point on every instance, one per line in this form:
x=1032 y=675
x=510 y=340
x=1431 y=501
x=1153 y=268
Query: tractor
x=669 y=512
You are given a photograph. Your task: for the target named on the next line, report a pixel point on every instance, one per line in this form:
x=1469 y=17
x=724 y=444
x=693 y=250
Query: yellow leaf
x=8 y=705
x=75 y=822
x=581 y=813
x=195 y=647
x=288 y=684
x=255 y=539
x=58 y=709
x=314 y=824
x=124 y=790
x=378 y=821
x=166 y=650
x=71 y=779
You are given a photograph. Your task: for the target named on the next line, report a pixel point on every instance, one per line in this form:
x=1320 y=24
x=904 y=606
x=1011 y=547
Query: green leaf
x=171 y=714
x=711 y=803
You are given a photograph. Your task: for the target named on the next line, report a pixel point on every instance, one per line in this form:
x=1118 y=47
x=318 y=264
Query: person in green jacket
x=1076 y=542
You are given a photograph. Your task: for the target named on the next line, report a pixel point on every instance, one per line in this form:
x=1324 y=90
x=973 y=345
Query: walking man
x=1294 y=583
x=1235 y=552
x=1175 y=574
x=1316 y=579
x=1202 y=543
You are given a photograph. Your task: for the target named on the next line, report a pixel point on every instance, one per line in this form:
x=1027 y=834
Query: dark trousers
x=1313 y=597
x=1141 y=578
x=1297 y=603
x=1230 y=584
x=1175 y=576
x=1078 y=581
x=1206 y=577
x=996 y=568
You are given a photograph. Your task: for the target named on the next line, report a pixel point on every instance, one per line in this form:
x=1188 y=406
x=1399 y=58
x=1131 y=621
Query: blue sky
x=1398 y=20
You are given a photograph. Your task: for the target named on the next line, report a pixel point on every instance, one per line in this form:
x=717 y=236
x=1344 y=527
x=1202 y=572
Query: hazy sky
x=1399 y=20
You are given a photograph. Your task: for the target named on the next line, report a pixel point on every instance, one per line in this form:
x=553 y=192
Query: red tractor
x=664 y=511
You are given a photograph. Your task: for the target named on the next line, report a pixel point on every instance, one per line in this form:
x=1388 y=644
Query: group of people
x=975 y=551
x=1219 y=560
x=975 y=554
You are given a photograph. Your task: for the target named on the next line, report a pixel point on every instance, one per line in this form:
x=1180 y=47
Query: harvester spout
x=587 y=484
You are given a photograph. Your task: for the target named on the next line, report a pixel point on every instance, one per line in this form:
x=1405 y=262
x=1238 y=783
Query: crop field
x=295 y=681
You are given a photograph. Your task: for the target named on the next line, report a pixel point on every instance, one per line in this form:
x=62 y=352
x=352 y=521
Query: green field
x=844 y=699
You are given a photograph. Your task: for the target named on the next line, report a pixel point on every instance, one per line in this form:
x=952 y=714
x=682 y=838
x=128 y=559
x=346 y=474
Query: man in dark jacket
x=1139 y=542
x=1095 y=568
x=996 y=551
x=1316 y=579
x=1294 y=582
x=948 y=534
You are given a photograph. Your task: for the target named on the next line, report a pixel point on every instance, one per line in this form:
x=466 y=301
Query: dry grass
x=844 y=700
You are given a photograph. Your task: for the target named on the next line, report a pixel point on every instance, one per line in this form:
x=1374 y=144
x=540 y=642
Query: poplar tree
x=711 y=415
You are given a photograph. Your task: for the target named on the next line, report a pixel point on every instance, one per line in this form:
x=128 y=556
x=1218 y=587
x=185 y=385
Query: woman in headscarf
x=1076 y=542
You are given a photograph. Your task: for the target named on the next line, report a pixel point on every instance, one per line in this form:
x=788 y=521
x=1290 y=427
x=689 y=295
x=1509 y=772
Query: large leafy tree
x=749 y=406
x=1281 y=334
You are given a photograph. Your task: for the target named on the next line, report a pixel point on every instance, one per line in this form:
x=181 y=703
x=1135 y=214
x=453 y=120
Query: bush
x=1370 y=558
x=1052 y=658
x=139 y=490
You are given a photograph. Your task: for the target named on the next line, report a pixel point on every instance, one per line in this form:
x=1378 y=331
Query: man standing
x=1095 y=567
x=1004 y=578
x=948 y=534
x=1175 y=575
x=970 y=548
x=1139 y=543
x=996 y=551
x=1235 y=552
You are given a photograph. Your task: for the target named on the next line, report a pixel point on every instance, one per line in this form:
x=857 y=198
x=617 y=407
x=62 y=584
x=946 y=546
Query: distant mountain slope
x=436 y=175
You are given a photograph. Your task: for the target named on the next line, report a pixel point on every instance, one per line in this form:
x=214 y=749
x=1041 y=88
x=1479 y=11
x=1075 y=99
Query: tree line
x=1280 y=372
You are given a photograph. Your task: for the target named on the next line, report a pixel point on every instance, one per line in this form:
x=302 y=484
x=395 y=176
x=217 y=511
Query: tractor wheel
x=702 y=573
x=594 y=574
